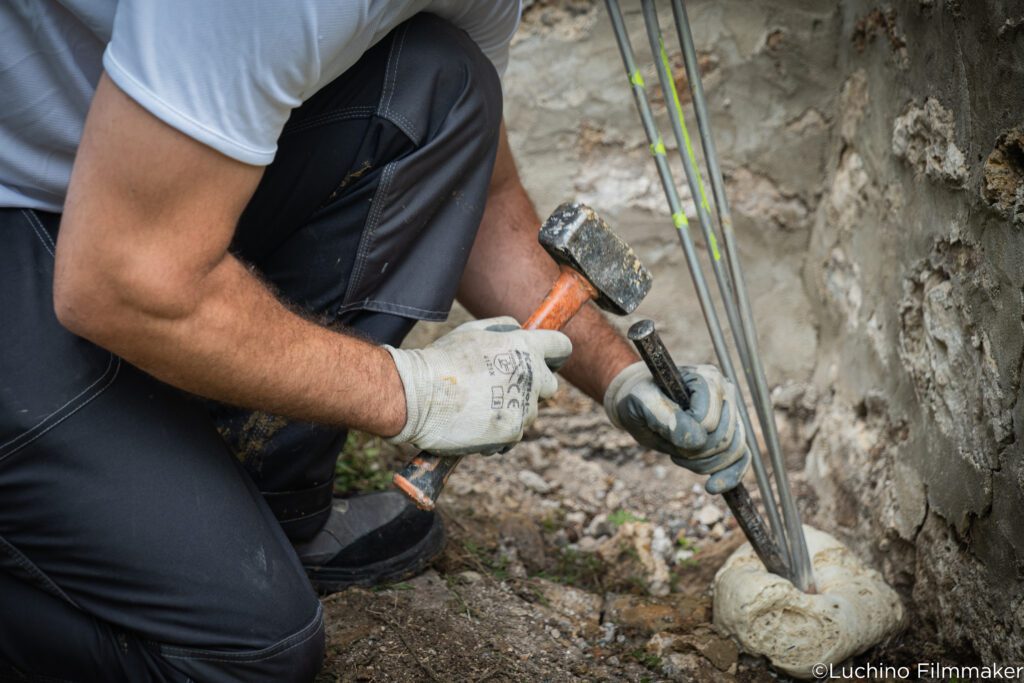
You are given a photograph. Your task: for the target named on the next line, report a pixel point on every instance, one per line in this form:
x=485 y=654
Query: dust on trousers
x=144 y=533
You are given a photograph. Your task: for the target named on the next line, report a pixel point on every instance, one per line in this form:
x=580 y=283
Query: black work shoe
x=371 y=539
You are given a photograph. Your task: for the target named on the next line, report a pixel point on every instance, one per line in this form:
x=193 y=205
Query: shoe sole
x=327 y=580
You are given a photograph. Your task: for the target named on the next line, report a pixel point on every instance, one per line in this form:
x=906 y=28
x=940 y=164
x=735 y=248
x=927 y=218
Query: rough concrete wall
x=915 y=270
x=875 y=159
x=576 y=134
x=574 y=125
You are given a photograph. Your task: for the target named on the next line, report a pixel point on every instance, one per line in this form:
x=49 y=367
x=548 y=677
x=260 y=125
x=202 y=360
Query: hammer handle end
x=424 y=477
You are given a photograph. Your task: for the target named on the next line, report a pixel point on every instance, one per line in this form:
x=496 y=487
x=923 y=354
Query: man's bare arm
x=143 y=270
x=509 y=273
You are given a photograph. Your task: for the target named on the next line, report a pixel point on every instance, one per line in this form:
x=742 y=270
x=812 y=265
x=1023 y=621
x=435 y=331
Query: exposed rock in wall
x=877 y=23
x=1003 y=187
x=923 y=137
x=948 y=352
x=759 y=196
x=877 y=501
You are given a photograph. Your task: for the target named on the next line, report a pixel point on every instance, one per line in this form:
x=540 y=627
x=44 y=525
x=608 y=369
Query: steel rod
x=802 y=569
x=696 y=185
x=679 y=220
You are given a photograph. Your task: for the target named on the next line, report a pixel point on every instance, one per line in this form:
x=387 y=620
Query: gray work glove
x=707 y=438
x=475 y=389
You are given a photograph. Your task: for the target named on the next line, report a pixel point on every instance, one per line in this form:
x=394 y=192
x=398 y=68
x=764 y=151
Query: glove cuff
x=406 y=362
x=621 y=385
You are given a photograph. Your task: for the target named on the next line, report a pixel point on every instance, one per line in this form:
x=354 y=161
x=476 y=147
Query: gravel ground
x=576 y=556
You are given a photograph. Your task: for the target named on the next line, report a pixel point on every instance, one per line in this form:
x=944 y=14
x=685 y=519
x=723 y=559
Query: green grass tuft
x=620 y=517
x=360 y=466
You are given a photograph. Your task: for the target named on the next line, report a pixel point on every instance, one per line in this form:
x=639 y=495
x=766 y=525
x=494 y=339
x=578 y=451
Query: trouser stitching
x=330 y=117
x=298 y=638
x=390 y=85
x=83 y=397
x=371 y=223
x=33 y=571
x=395 y=309
x=37 y=227
x=110 y=373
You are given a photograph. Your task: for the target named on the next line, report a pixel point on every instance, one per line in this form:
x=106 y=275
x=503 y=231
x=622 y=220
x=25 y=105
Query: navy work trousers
x=144 y=533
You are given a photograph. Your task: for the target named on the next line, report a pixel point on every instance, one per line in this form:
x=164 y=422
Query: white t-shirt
x=225 y=72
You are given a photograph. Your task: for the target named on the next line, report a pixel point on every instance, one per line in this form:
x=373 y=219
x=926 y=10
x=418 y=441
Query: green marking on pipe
x=658 y=148
x=682 y=123
x=636 y=79
x=714 y=247
x=679 y=219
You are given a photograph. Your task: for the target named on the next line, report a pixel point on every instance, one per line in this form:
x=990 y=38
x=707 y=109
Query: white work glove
x=705 y=439
x=475 y=389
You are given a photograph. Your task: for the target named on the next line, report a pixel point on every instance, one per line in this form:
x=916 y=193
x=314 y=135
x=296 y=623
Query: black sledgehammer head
x=576 y=236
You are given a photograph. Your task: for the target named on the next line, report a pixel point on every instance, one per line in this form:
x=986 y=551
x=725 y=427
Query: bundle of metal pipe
x=787 y=531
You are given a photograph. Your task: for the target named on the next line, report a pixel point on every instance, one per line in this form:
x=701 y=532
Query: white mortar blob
x=853 y=609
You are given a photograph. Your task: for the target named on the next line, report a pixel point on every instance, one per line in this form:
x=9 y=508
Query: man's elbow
x=105 y=303
x=81 y=306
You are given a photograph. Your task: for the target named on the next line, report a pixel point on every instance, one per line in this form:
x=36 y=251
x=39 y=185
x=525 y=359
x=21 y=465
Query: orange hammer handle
x=424 y=477
x=566 y=297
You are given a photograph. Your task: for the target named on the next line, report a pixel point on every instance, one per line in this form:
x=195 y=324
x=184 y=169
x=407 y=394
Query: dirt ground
x=576 y=556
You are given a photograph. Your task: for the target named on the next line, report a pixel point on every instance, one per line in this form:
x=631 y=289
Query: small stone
x=524 y=535
x=717 y=532
x=661 y=545
x=578 y=612
x=613 y=661
x=647 y=615
x=470 y=576
x=682 y=555
x=660 y=643
x=709 y=515
x=687 y=667
x=598 y=526
x=516 y=570
x=534 y=482
x=616 y=499
x=660 y=472
x=555 y=633
x=576 y=517
x=607 y=632
x=630 y=559
x=722 y=652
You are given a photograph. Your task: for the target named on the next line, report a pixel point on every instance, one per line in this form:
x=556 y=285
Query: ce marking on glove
x=514 y=371
x=502 y=397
